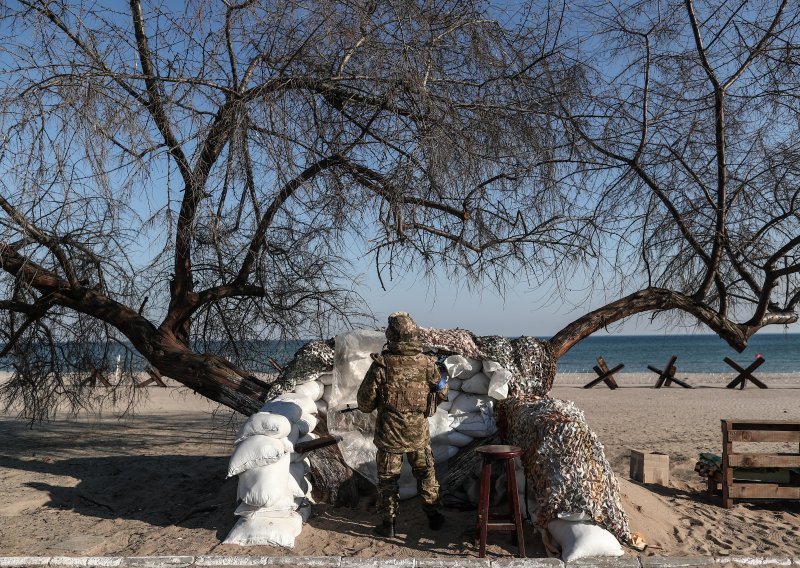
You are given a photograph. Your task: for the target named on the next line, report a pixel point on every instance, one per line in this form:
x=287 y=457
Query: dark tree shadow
x=166 y=490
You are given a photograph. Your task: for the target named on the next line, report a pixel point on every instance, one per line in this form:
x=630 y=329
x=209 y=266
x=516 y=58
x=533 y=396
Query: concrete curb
x=357 y=562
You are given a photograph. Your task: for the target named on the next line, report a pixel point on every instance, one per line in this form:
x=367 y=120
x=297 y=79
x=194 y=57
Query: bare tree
x=685 y=132
x=180 y=182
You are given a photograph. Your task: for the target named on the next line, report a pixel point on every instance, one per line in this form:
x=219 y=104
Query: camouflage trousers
x=422 y=466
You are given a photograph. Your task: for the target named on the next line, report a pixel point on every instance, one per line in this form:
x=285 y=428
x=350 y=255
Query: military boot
x=386 y=528
x=435 y=520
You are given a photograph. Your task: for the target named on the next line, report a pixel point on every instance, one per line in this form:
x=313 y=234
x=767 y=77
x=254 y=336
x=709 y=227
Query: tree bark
x=650 y=299
x=208 y=375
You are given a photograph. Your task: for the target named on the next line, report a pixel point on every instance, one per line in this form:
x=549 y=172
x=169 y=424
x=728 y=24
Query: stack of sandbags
x=272 y=477
x=474 y=386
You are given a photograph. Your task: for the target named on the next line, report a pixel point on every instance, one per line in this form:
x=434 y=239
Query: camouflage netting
x=530 y=361
x=309 y=362
x=566 y=467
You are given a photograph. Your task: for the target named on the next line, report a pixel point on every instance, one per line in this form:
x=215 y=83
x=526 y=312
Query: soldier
x=400 y=383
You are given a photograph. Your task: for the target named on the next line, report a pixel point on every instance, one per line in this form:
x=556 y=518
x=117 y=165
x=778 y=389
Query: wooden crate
x=758 y=431
x=649 y=467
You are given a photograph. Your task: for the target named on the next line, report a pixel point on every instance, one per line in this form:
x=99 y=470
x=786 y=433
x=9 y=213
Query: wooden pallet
x=758 y=431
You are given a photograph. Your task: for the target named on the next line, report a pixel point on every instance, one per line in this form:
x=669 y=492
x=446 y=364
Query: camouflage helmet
x=401 y=328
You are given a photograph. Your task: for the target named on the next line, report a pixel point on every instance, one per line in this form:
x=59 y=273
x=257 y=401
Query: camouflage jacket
x=397 y=384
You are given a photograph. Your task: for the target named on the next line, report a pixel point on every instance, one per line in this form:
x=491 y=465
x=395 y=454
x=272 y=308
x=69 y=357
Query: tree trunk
x=650 y=299
x=208 y=375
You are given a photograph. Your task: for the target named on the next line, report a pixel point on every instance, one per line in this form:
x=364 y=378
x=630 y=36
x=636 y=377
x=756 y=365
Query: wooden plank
x=764 y=460
x=793 y=425
x=501 y=527
x=764 y=491
x=311 y=445
x=765 y=436
x=727 y=470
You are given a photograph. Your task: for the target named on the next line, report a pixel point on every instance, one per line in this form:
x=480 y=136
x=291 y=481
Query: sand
x=153 y=483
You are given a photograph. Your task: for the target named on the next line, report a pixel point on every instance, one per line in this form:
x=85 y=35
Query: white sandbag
x=454 y=384
x=264 y=424
x=326 y=393
x=322 y=406
x=279 y=529
x=294 y=434
x=307 y=423
x=291 y=410
x=476 y=384
x=448 y=403
x=452 y=451
x=499 y=379
x=256 y=451
x=582 y=540
x=304 y=402
x=297 y=484
x=476 y=424
x=461 y=367
x=251 y=511
x=265 y=486
x=312 y=390
x=467 y=403
x=458 y=439
x=326 y=378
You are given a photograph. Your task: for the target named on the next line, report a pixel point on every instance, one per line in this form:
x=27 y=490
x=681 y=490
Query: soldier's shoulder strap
x=378 y=359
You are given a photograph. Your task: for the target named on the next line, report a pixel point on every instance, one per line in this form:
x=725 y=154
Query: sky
x=522 y=310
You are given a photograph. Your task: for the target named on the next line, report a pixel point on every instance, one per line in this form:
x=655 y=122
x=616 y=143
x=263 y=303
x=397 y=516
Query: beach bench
x=605 y=374
x=785 y=465
x=745 y=374
x=667 y=376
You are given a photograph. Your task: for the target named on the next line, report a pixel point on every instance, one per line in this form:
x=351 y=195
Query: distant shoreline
x=569 y=378
x=774 y=380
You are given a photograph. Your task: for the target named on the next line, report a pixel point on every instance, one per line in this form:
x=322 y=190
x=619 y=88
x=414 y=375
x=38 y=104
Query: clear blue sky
x=522 y=310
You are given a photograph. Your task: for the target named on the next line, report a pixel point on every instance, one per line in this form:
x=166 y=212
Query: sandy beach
x=153 y=482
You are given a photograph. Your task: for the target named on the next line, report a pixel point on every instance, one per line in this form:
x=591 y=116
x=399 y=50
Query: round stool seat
x=499 y=451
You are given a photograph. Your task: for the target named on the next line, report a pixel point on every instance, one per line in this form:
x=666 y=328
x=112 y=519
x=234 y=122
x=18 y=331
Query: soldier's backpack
x=405 y=389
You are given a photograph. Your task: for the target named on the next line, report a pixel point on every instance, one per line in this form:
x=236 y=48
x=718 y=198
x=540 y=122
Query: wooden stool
x=511 y=522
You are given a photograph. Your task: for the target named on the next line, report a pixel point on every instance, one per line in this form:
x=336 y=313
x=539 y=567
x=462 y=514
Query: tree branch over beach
x=685 y=132
x=183 y=181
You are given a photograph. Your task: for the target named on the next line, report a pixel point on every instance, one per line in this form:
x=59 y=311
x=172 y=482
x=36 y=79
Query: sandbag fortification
x=323 y=377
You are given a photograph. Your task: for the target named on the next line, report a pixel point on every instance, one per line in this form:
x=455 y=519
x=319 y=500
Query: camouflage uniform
x=397 y=384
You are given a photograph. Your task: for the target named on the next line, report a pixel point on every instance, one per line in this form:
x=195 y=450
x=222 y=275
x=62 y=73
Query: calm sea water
x=696 y=353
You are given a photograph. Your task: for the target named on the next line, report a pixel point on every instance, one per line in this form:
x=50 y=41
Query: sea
x=696 y=353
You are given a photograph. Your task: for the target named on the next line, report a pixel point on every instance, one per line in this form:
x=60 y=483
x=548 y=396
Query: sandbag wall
x=274 y=488
x=322 y=379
